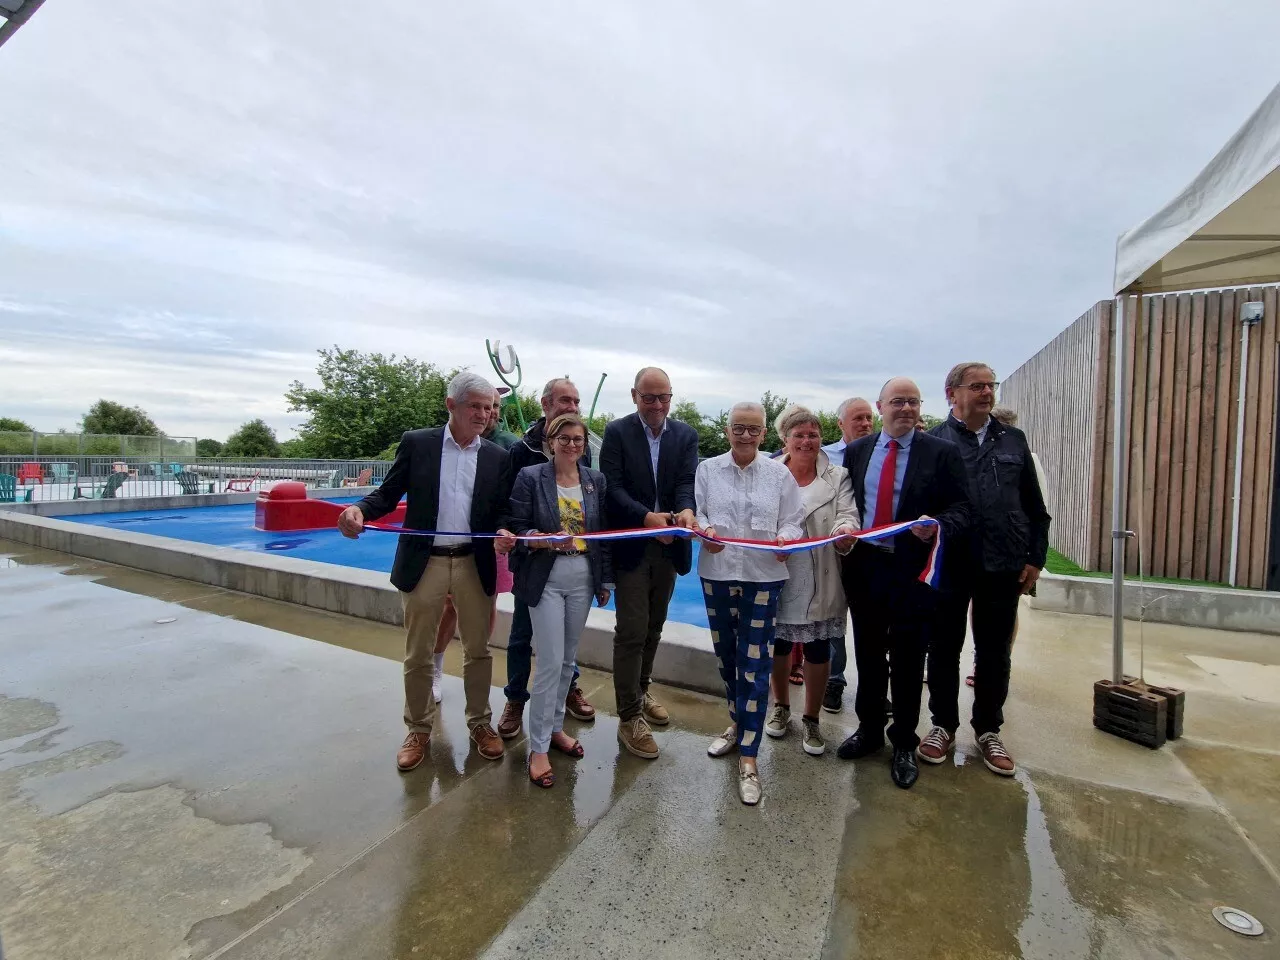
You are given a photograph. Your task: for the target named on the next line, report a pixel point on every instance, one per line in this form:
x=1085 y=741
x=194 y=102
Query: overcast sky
x=804 y=197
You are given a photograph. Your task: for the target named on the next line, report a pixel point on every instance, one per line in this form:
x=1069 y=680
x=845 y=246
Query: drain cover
x=1237 y=921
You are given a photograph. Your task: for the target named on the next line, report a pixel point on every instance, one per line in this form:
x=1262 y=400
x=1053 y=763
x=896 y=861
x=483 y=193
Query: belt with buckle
x=455 y=550
x=572 y=553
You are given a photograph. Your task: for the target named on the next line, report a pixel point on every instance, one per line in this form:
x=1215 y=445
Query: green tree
x=208 y=448
x=295 y=448
x=15 y=425
x=929 y=421
x=773 y=405
x=711 y=439
x=253 y=439
x=366 y=401
x=113 y=418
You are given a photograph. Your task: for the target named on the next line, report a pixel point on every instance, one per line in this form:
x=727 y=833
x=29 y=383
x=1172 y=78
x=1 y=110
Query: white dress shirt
x=655 y=443
x=457 y=481
x=759 y=502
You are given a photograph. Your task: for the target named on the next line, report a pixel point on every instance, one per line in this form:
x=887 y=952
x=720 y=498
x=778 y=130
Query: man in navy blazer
x=899 y=474
x=649 y=462
x=453 y=479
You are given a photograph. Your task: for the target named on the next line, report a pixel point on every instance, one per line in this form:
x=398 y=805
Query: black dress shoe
x=903 y=768
x=860 y=744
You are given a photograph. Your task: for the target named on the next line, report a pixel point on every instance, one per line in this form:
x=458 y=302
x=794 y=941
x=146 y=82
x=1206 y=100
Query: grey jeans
x=558 y=620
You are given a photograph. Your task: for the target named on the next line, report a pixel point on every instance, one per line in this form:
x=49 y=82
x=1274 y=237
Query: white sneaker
x=727 y=742
x=748 y=787
x=435 y=688
x=779 y=717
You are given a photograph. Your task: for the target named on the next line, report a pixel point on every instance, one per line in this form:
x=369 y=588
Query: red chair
x=240 y=484
x=30 y=472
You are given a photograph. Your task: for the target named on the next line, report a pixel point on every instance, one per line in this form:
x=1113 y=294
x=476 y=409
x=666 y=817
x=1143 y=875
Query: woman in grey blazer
x=557 y=577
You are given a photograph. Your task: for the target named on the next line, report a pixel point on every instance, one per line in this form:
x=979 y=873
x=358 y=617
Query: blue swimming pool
x=232 y=526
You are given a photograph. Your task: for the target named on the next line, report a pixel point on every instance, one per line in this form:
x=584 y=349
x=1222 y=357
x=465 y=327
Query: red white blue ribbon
x=887 y=532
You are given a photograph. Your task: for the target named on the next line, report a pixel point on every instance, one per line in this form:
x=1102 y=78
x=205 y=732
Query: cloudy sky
x=803 y=197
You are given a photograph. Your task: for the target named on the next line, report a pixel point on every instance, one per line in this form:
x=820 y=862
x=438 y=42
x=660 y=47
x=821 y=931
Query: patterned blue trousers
x=741 y=615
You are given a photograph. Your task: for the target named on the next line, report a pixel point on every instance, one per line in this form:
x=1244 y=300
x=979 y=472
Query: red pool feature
x=286 y=506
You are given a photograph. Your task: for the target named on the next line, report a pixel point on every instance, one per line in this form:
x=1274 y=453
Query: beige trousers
x=423 y=608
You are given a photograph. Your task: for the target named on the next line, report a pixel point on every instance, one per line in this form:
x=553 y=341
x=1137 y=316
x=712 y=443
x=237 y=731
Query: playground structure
x=511 y=411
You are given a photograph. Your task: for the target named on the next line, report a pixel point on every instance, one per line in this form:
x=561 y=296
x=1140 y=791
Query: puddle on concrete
x=126 y=874
x=1087 y=873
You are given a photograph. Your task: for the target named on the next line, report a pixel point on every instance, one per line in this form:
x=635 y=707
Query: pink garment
x=506 y=582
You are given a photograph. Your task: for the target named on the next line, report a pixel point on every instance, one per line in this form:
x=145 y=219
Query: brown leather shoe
x=488 y=744
x=413 y=751
x=577 y=706
x=512 y=720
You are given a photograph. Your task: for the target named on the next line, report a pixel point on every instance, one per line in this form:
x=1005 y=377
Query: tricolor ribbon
x=887 y=532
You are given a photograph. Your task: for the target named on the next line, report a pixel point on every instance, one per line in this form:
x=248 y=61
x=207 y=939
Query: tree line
x=365 y=401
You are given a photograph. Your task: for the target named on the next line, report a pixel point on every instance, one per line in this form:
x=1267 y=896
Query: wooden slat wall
x=1183 y=372
x=1053 y=396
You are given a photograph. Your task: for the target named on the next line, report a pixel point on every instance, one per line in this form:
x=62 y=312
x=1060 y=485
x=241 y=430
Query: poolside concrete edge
x=1216 y=608
x=685 y=658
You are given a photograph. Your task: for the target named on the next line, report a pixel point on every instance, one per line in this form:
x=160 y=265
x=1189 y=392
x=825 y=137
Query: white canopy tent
x=1222 y=230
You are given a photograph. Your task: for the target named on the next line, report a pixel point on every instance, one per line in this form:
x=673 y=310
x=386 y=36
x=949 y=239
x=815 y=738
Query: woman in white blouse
x=744 y=494
x=812 y=609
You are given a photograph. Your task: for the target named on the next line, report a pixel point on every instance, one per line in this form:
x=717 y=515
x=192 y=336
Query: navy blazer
x=625 y=462
x=535 y=508
x=416 y=471
x=934 y=484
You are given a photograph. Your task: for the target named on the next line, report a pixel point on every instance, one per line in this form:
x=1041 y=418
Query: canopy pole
x=1247 y=319
x=1119 y=491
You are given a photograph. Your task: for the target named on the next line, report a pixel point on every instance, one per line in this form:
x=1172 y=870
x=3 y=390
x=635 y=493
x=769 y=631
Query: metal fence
x=76 y=477
x=21 y=443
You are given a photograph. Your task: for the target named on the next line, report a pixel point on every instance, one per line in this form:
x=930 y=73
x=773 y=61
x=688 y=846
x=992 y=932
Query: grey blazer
x=535 y=508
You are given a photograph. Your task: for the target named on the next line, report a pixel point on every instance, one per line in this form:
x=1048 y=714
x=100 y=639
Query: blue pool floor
x=232 y=526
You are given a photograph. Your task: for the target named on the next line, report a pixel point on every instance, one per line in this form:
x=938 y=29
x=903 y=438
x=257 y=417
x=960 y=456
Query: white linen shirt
x=759 y=502
x=457 y=482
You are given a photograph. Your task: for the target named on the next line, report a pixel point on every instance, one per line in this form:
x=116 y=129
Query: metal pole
x=1119 y=492
x=1239 y=478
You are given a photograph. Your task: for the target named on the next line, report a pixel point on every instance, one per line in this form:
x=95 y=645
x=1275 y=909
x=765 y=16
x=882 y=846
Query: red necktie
x=884 y=491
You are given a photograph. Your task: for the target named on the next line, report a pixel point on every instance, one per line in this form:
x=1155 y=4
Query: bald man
x=899 y=474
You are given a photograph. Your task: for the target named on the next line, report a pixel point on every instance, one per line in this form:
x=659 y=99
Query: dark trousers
x=520 y=655
x=994 y=597
x=891 y=611
x=641 y=600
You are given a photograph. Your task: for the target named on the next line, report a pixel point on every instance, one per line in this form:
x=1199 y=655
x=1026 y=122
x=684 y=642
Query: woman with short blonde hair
x=812 y=609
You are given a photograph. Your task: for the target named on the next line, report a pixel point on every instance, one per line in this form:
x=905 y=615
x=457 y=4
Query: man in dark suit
x=453 y=479
x=899 y=474
x=649 y=462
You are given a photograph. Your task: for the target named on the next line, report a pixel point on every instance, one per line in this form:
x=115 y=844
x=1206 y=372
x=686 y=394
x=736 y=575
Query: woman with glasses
x=812 y=610
x=558 y=577
x=746 y=495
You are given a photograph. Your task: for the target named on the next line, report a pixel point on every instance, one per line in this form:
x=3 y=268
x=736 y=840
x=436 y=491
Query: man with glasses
x=559 y=396
x=999 y=560
x=898 y=475
x=649 y=462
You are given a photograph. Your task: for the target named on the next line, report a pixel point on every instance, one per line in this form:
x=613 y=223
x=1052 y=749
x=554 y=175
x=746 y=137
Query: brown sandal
x=575 y=751
x=546 y=781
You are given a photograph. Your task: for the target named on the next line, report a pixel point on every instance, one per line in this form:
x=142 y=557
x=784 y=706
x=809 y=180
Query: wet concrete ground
x=187 y=772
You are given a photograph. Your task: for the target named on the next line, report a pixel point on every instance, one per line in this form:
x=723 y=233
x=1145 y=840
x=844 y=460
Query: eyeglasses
x=655 y=397
x=739 y=429
x=899 y=402
x=571 y=441
x=980 y=385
